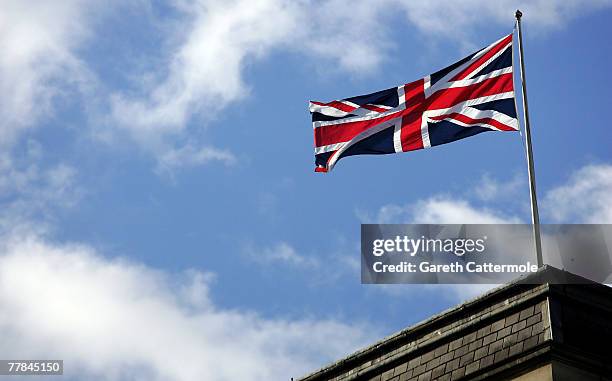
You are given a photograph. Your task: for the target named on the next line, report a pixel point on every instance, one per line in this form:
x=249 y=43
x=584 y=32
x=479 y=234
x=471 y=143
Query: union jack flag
x=471 y=96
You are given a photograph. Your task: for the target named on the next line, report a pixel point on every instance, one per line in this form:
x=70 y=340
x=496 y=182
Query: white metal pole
x=535 y=217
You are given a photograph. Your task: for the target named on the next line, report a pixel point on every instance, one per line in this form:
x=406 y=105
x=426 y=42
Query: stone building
x=551 y=325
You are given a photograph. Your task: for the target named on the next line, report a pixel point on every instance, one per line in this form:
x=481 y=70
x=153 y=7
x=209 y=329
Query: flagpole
x=535 y=217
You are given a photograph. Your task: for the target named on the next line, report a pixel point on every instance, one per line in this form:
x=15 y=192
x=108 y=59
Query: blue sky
x=157 y=186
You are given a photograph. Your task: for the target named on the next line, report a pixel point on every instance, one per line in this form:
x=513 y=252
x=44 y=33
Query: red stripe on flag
x=338 y=133
x=483 y=59
x=374 y=108
x=411 y=123
x=337 y=104
x=467 y=120
x=450 y=97
x=411 y=132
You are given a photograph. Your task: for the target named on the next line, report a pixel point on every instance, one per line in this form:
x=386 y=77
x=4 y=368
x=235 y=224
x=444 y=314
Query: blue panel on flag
x=503 y=61
x=505 y=106
x=378 y=144
x=435 y=77
x=319 y=117
x=321 y=159
x=446 y=132
x=384 y=97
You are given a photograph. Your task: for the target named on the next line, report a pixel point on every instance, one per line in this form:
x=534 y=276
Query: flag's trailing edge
x=471 y=96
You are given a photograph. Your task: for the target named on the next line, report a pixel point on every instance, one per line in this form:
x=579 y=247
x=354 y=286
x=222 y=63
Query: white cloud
x=320 y=269
x=205 y=70
x=39 y=60
x=452 y=211
x=458 y=19
x=280 y=253
x=115 y=320
x=440 y=210
x=489 y=189
x=31 y=189
x=585 y=198
x=350 y=34
x=190 y=156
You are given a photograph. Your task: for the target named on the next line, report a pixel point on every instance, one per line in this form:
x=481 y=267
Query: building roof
x=505 y=331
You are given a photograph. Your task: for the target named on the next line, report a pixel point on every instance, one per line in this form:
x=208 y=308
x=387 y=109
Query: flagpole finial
x=518 y=14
